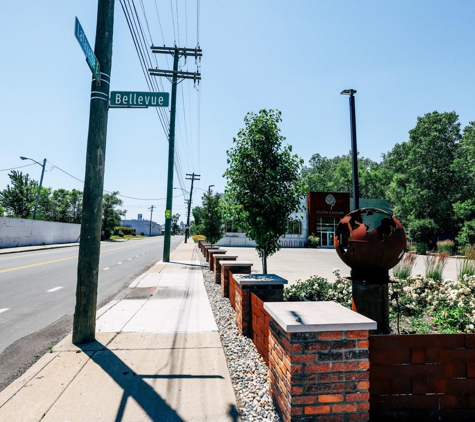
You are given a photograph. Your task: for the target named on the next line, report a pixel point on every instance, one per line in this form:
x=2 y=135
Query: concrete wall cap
x=306 y=317
x=219 y=258
x=236 y=264
x=260 y=279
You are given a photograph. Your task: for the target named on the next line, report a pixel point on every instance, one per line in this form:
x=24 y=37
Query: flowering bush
x=423 y=304
x=318 y=288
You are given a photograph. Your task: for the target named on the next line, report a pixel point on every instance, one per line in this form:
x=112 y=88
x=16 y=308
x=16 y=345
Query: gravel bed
x=249 y=373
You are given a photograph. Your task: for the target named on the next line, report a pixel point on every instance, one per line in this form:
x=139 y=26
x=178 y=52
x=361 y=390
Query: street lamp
x=41 y=182
x=354 y=149
x=209 y=188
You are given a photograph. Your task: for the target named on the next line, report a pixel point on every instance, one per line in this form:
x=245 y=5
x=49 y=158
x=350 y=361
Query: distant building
x=182 y=225
x=143 y=226
x=321 y=213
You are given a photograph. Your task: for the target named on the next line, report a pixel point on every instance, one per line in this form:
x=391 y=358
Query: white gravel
x=249 y=373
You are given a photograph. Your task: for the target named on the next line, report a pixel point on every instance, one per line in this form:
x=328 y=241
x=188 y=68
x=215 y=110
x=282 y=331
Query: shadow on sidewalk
x=134 y=386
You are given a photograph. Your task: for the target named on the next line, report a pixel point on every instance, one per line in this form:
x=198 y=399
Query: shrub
x=435 y=265
x=421 y=248
x=317 y=288
x=198 y=237
x=446 y=246
x=421 y=231
x=403 y=268
x=466 y=265
x=125 y=230
x=466 y=235
x=314 y=241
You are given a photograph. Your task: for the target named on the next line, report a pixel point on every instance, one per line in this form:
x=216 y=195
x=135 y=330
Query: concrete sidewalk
x=157 y=357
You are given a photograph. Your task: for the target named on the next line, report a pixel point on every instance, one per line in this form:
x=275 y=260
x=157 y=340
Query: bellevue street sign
x=86 y=47
x=139 y=99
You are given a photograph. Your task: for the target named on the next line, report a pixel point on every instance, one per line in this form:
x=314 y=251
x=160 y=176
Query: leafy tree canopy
x=263 y=181
x=111 y=216
x=212 y=217
x=19 y=197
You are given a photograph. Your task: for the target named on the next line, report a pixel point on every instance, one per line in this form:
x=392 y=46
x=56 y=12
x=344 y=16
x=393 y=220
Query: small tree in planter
x=263 y=186
x=212 y=217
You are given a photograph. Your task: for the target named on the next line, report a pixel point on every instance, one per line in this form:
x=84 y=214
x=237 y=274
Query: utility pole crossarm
x=170 y=73
x=193 y=52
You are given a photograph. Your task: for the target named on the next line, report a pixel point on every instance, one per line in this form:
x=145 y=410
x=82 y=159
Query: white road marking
x=4 y=310
x=105 y=269
x=130 y=259
x=53 y=290
x=119 y=263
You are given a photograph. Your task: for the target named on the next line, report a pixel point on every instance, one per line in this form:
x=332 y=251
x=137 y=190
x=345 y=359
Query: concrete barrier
x=20 y=232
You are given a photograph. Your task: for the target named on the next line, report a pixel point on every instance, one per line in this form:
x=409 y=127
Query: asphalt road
x=38 y=293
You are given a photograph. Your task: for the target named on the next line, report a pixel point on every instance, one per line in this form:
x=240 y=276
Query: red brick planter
x=211 y=254
x=318 y=361
x=237 y=267
x=217 y=265
x=268 y=287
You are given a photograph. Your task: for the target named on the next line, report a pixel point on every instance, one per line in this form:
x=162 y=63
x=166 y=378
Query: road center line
x=23 y=267
x=53 y=290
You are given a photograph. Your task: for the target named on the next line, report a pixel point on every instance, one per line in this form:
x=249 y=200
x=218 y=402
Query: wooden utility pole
x=151 y=213
x=192 y=178
x=84 y=325
x=176 y=78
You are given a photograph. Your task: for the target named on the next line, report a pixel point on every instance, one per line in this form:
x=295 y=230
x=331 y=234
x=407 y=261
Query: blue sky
x=404 y=58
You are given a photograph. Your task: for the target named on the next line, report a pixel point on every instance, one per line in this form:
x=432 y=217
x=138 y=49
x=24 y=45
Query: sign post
x=86 y=47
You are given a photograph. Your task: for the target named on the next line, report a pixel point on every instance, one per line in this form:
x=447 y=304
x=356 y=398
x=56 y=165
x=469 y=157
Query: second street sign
x=139 y=99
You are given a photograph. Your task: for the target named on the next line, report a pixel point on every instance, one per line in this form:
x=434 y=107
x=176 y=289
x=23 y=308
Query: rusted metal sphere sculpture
x=370 y=241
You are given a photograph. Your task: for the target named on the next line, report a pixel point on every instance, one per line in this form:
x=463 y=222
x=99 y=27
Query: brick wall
x=319 y=376
x=423 y=377
x=242 y=301
x=260 y=326
x=225 y=277
x=232 y=290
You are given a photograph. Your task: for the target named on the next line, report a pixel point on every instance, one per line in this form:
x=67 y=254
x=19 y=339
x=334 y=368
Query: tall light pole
x=354 y=149
x=209 y=188
x=41 y=183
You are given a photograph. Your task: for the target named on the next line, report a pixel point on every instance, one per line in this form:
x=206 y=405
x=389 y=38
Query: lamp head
x=349 y=92
x=24 y=158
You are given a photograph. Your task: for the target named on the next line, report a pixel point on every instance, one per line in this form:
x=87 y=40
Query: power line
x=14 y=168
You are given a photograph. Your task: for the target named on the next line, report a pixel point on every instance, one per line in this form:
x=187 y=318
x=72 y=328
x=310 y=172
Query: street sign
x=168 y=214
x=139 y=99
x=86 y=47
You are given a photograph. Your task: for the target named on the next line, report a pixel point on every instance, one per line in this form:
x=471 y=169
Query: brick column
x=268 y=287
x=211 y=254
x=203 y=245
x=318 y=361
x=208 y=250
x=237 y=267
x=217 y=265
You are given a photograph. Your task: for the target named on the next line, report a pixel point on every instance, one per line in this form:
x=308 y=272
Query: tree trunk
x=264 y=264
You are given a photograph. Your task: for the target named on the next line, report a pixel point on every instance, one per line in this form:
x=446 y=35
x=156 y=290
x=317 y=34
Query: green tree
x=111 y=216
x=2 y=211
x=263 y=181
x=423 y=184
x=175 y=227
x=336 y=175
x=212 y=217
x=196 y=224
x=19 y=198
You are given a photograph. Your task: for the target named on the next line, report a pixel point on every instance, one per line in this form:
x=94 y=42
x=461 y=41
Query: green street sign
x=139 y=99
x=168 y=214
x=86 y=47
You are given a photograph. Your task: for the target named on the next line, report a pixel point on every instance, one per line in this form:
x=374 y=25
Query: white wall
x=19 y=232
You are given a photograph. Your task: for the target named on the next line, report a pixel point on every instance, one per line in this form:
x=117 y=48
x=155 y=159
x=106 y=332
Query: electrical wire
x=20 y=167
